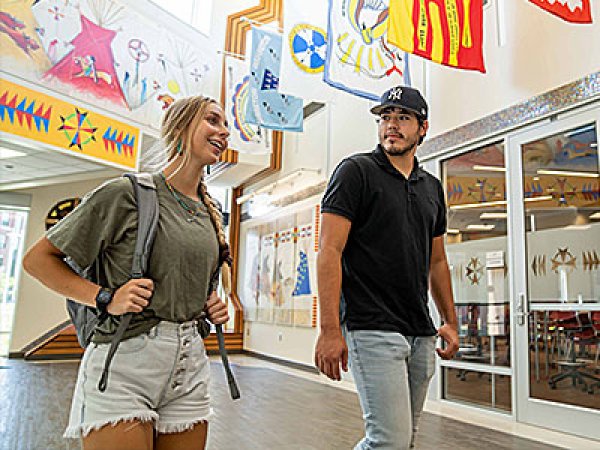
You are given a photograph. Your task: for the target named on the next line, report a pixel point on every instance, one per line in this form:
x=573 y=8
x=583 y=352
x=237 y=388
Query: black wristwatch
x=103 y=298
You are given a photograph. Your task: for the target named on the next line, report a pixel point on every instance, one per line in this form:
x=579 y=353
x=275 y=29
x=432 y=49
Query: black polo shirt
x=385 y=263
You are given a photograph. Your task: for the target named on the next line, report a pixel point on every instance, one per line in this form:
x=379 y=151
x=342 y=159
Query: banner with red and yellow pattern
x=70 y=127
x=576 y=11
x=448 y=32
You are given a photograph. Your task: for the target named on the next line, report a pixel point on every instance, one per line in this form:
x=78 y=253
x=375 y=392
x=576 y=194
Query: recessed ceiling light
x=493 y=215
x=568 y=173
x=481 y=226
x=489 y=168
x=6 y=153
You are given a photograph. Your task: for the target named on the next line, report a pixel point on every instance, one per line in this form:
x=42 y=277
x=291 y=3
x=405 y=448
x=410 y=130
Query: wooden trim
x=234 y=242
x=234 y=343
x=235 y=43
x=45 y=338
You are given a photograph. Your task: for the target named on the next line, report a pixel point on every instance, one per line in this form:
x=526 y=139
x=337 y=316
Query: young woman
x=157 y=394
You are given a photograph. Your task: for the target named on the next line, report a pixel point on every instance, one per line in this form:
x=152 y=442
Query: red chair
x=578 y=329
x=596 y=326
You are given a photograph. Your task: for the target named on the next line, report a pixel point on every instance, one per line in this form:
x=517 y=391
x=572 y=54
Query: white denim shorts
x=161 y=376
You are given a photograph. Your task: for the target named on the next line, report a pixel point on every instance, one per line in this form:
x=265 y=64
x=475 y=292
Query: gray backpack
x=86 y=318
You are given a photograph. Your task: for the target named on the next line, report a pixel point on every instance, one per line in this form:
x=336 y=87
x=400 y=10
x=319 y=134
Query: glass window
x=477 y=254
x=476 y=247
x=480 y=388
x=195 y=12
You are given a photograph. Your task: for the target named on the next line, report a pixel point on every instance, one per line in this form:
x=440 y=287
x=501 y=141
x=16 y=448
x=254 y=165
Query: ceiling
x=41 y=166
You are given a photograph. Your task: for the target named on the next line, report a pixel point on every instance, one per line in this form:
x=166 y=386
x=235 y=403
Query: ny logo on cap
x=395 y=94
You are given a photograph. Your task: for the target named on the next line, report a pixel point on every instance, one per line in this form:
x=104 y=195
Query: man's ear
x=425 y=126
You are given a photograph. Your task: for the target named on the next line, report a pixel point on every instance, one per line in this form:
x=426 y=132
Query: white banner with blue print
x=359 y=58
x=268 y=107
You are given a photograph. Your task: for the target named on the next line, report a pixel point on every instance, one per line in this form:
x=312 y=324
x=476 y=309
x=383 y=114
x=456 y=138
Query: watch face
x=104 y=296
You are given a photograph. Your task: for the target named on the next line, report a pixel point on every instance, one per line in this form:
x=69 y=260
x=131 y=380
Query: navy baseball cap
x=403 y=97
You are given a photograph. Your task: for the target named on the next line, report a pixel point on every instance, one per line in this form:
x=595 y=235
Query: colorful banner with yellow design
x=40 y=117
x=448 y=32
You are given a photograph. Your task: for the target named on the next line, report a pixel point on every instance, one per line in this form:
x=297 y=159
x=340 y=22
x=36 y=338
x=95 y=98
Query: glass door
x=554 y=229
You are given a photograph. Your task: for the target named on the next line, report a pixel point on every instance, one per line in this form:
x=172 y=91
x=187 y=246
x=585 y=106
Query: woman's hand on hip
x=132 y=297
x=216 y=309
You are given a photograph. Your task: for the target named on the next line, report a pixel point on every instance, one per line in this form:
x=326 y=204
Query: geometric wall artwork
x=69 y=127
x=280 y=281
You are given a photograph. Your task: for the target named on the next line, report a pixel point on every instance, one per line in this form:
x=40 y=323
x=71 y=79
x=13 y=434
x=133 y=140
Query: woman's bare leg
x=192 y=439
x=130 y=435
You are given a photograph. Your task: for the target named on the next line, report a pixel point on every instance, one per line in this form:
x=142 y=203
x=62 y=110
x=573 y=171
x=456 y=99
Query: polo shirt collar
x=381 y=158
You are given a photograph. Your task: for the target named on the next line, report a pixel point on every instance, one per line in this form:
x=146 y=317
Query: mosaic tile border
x=558 y=99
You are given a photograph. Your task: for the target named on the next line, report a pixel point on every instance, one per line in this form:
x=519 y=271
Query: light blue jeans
x=392 y=374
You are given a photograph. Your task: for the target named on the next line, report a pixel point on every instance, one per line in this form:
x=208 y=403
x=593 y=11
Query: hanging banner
x=360 y=58
x=305 y=286
x=304 y=50
x=448 y=32
x=575 y=11
x=74 y=129
x=244 y=137
x=267 y=106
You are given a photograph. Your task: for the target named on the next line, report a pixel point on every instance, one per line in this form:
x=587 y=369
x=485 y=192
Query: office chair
x=577 y=326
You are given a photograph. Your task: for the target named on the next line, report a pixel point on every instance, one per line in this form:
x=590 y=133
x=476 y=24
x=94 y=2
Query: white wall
x=39 y=310
x=541 y=52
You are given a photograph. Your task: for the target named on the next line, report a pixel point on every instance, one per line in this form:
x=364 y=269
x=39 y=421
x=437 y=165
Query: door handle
x=521 y=312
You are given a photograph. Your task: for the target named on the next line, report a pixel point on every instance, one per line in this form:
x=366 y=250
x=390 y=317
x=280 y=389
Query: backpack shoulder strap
x=147 y=205
x=146 y=200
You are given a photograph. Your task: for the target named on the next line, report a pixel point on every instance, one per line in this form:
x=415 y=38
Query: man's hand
x=216 y=309
x=331 y=351
x=132 y=297
x=450 y=336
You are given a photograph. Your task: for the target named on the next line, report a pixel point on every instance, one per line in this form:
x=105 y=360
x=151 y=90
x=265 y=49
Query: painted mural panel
x=104 y=53
x=250 y=293
x=305 y=289
x=284 y=277
x=266 y=271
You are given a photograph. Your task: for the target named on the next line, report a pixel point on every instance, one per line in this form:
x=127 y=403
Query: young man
x=382 y=241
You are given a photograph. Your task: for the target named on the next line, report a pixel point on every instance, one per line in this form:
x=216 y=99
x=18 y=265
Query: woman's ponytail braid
x=224 y=253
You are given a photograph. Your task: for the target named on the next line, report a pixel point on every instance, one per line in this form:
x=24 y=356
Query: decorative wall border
x=565 y=97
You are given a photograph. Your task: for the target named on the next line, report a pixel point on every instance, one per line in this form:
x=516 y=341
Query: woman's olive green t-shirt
x=183 y=260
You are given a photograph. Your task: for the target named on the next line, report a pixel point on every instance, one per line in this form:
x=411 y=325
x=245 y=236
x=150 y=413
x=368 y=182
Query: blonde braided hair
x=183 y=116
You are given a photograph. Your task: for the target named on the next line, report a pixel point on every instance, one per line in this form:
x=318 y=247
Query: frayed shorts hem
x=180 y=427
x=82 y=430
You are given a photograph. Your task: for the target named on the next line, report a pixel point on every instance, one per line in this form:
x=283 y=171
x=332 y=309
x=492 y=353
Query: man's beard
x=399 y=151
